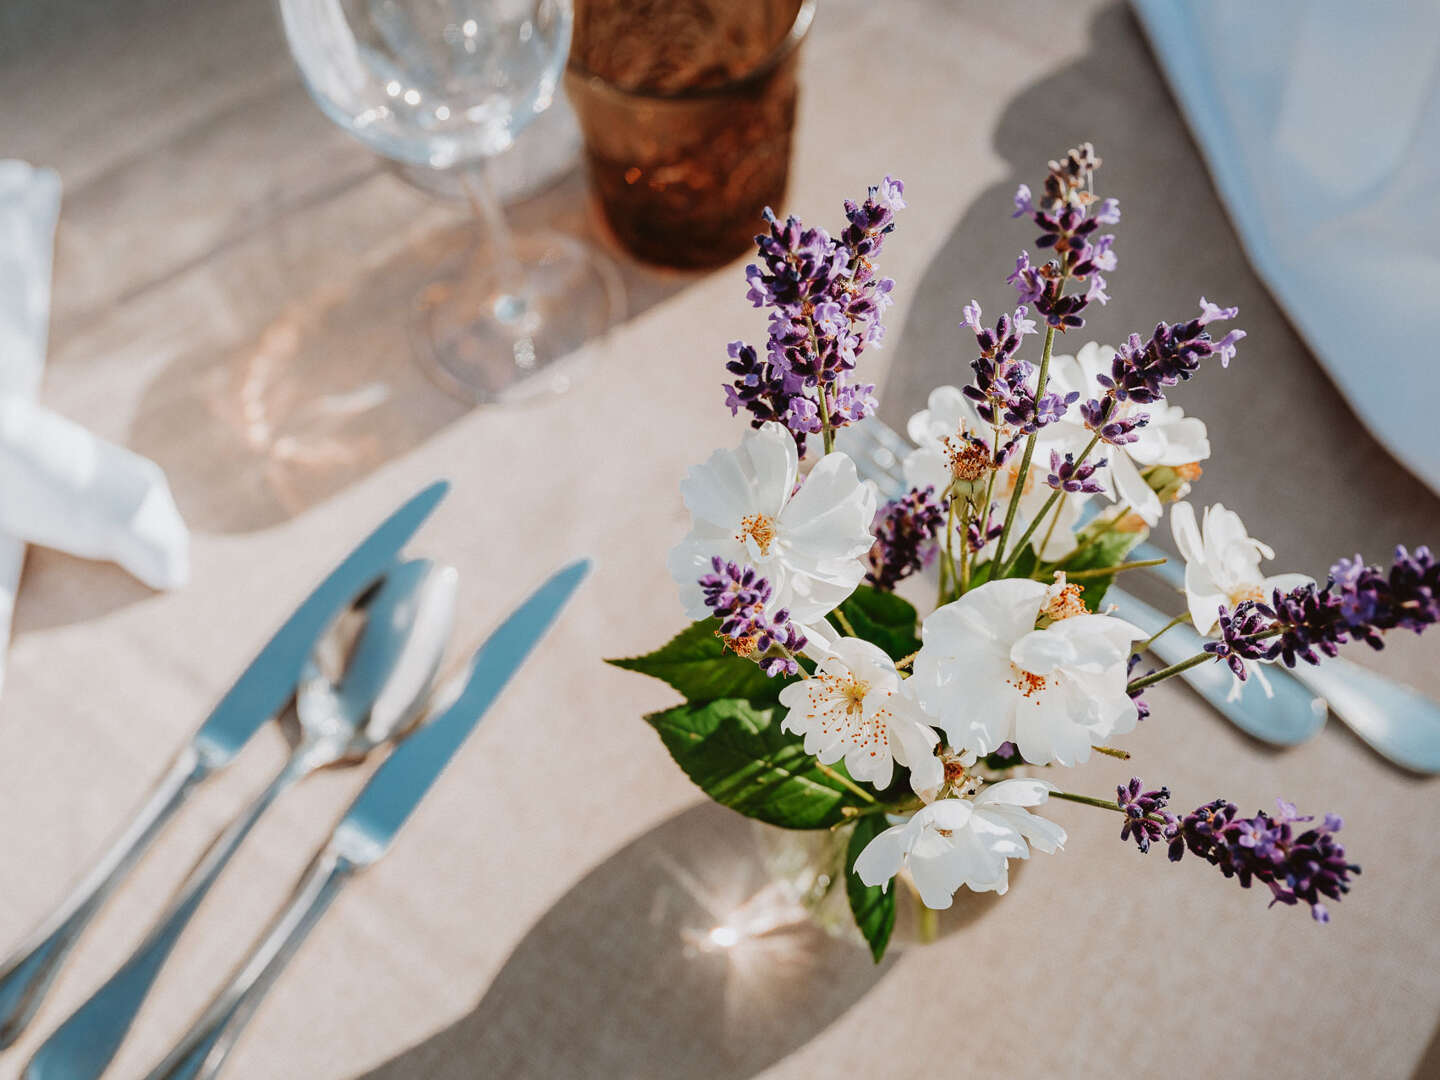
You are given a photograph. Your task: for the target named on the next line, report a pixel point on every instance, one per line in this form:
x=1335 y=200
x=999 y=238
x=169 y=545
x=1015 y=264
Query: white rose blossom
x=955 y=842
x=808 y=543
x=1222 y=563
x=857 y=707
x=988 y=675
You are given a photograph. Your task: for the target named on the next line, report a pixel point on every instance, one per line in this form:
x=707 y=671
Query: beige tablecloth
x=233 y=276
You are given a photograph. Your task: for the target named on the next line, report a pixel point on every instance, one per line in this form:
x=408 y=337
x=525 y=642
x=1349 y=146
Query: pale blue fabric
x=1320 y=123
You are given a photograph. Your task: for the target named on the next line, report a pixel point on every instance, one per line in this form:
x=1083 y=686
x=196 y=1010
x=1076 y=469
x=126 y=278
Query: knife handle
x=26 y=975
x=81 y=1048
x=201 y=1052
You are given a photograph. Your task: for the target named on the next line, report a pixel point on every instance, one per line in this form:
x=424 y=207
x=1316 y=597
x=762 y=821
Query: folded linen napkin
x=60 y=486
x=1320 y=123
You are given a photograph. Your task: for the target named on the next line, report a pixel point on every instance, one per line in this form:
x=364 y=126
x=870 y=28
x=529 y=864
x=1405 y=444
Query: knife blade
x=264 y=687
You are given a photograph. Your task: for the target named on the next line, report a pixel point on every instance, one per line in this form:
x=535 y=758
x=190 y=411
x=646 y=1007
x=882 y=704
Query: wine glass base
x=488 y=336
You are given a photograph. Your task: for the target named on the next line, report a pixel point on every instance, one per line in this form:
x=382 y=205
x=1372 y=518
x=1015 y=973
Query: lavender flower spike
x=1067 y=476
x=738 y=595
x=905 y=537
x=1300 y=866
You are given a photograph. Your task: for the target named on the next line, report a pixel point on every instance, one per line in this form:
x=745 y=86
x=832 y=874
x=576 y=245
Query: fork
x=1396 y=721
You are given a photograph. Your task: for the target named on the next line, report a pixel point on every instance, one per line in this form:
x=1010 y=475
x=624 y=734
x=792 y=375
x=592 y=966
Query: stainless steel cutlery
x=368 y=828
x=406 y=625
x=258 y=695
x=351 y=671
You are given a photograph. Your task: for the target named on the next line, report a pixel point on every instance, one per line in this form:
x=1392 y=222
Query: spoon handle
x=203 y=1049
x=81 y=1047
x=28 y=972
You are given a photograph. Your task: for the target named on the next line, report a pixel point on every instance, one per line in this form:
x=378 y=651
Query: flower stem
x=1055 y=520
x=965 y=548
x=1183 y=617
x=1029 y=453
x=1087 y=800
x=826 y=434
x=1168 y=672
x=949 y=574
x=844 y=781
x=844 y=622
x=1009 y=565
x=1105 y=571
x=927 y=921
x=1103 y=804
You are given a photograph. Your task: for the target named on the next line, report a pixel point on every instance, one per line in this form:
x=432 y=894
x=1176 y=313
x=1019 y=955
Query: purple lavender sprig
x=738 y=595
x=1243 y=636
x=1300 y=865
x=1358 y=602
x=1002 y=390
x=1142 y=707
x=905 y=537
x=1065 y=475
x=1069 y=216
x=1146 y=818
x=979 y=532
x=826 y=303
x=1143 y=369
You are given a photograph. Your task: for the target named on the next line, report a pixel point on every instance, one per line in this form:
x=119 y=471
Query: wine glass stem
x=510 y=303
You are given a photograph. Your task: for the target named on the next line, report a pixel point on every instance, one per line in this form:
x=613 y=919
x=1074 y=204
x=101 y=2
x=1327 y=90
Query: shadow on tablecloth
x=1289 y=455
x=612 y=983
x=325 y=389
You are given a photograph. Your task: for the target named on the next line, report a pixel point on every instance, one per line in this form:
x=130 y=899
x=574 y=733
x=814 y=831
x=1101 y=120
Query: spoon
x=407 y=623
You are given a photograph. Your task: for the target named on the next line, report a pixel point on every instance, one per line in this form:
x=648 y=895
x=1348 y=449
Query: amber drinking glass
x=687 y=109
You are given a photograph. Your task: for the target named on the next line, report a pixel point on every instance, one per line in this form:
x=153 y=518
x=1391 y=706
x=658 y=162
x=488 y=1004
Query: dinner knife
x=369 y=826
x=259 y=693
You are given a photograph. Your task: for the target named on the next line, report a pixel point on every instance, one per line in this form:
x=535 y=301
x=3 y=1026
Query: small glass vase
x=808 y=866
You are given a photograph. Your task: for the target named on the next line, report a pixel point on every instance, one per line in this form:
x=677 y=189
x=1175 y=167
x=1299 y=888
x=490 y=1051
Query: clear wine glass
x=450 y=84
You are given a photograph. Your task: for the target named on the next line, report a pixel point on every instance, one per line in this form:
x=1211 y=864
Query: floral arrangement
x=817 y=698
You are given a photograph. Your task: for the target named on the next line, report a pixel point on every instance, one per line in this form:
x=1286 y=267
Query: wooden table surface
x=233 y=284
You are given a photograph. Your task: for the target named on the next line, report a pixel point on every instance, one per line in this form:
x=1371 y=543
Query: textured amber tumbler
x=687 y=109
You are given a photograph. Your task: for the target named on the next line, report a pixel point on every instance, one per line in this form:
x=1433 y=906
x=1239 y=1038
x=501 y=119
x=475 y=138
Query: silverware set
x=351 y=674
x=1398 y=722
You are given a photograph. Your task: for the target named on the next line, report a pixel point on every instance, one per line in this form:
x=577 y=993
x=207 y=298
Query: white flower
x=857 y=707
x=1169 y=438
x=988 y=675
x=1222 y=563
x=936 y=433
x=808 y=543
x=954 y=842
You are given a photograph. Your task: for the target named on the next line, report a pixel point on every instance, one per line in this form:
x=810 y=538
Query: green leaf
x=872 y=906
x=696 y=663
x=1108 y=549
x=738 y=756
x=884 y=619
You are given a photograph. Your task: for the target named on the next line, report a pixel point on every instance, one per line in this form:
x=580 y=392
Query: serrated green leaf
x=883 y=618
x=696 y=663
x=738 y=755
x=872 y=906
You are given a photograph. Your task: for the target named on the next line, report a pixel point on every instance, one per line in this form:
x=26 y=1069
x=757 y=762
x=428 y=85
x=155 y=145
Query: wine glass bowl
x=448 y=85
x=434 y=83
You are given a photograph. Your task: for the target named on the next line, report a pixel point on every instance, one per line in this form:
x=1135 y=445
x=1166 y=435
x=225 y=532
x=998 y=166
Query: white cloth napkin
x=60 y=486
x=1320 y=122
